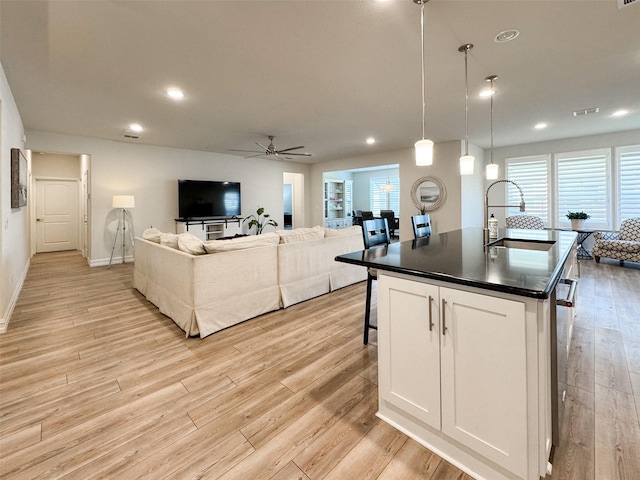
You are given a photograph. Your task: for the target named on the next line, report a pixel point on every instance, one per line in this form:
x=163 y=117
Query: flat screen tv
x=204 y=198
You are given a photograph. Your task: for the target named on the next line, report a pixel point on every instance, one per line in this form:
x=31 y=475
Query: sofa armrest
x=605 y=236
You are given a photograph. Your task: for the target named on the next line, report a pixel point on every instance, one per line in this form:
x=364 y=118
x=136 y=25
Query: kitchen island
x=467 y=342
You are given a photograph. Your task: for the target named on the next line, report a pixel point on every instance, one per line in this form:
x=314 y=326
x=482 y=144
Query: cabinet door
x=484 y=376
x=408 y=347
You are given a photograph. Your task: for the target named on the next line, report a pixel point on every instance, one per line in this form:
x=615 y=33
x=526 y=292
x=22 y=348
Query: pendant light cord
x=422 y=51
x=492 y=93
x=466 y=102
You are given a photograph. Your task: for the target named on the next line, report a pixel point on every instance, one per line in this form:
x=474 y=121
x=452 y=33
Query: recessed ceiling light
x=506 y=36
x=136 y=127
x=371 y=141
x=540 y=126
x=175 y=93
x=620 y=113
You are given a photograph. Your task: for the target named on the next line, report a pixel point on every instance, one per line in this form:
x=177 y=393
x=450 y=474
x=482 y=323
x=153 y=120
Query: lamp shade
x=492 y=171
x=466 y=164
x=424 y=152
x=124 y=201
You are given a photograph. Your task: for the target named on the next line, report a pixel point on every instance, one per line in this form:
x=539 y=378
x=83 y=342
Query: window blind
x=582 y=185
x=629 y=183
x=378 y=197
x=531 y=174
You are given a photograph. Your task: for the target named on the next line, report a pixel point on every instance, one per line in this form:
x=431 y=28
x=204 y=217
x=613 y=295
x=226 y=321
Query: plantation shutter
x=582 y=186
x=378 y=197
x=629 y=183
x=532 y=175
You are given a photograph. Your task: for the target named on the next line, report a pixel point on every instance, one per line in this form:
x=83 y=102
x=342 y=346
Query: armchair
x=622 y=246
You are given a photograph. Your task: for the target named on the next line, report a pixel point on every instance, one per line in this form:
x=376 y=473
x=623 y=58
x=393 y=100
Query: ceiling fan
x=270 y=149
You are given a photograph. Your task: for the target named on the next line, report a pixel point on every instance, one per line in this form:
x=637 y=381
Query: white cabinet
x=210 y=229
x=338 y=203
x=453 y=370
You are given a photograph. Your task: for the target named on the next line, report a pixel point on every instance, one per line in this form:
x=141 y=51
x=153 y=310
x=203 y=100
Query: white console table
x=210 y=229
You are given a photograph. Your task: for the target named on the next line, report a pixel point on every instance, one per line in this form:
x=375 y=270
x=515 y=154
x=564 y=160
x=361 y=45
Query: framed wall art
x=18 y=178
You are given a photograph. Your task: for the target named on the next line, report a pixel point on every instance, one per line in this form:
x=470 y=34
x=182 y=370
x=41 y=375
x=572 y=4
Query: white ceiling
x=324 y=74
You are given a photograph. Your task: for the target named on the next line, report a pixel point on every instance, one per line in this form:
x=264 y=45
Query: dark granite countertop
x=461 y=257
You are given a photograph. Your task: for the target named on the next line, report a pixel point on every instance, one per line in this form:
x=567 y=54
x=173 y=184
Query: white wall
x=14 y=230
x=151 y=173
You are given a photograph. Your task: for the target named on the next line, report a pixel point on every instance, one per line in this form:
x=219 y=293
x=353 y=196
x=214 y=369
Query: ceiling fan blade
x=261 y=154
x=266 y=149
x=292 y=148
x=298 y=154
x=246 y=151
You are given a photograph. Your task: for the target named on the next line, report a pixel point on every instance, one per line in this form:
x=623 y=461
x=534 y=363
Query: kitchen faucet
x=487 y=206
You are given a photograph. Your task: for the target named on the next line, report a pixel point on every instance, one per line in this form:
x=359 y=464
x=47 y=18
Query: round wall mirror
x=428 y=193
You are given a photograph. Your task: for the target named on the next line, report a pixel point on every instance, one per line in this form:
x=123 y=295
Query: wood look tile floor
x=96 y=383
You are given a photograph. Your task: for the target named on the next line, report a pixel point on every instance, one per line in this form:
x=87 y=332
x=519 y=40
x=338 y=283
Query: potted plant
x=577 y=219
x=260 y=220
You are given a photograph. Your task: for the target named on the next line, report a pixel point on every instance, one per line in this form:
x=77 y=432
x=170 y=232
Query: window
x=383 y=199
x=628 y=183
x=582 y=185
x=578 y=181
x=531 y=174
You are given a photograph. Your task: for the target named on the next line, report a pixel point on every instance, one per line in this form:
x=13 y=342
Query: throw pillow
x=152 y=234
x=339 y=232
x=169 y=240
x=241 y=243
x=301 y=234
x=190 y=244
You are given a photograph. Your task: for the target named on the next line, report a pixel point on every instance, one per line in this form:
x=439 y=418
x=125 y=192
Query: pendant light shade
x=424 y=152
x=466 y=160
x=423 y=147
x=492 y=169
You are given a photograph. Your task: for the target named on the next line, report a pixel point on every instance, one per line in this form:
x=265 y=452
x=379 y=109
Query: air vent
x=586 y=111
x=626 y=3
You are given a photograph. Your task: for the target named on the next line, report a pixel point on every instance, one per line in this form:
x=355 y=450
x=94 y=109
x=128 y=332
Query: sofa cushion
x=630 y=229
x=152 y=234
x=189 y=243
x=332 y=232
x=169 y=240
x=240 y=243
x=301 y=234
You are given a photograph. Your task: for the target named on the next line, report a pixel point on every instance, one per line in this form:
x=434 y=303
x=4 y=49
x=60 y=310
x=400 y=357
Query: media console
x=210 y=228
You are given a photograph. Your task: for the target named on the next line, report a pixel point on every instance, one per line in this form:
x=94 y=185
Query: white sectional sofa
x=207 y=286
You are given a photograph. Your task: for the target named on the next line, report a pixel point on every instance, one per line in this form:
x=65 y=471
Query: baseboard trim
x=4 y=321
x=103 y=262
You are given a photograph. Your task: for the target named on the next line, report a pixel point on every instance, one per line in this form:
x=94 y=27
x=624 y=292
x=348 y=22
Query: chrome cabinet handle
x=430 y=314
x=444 y=321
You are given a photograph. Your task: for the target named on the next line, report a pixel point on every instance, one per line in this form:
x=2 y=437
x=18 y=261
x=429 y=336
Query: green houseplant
x=577 y=219
x=260 y=220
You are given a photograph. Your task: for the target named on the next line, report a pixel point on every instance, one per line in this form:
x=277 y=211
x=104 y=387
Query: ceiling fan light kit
x=423 y=147
x=466 y=160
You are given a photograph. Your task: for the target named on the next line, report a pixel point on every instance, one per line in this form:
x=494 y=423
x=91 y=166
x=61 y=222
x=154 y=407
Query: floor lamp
x=122 y=202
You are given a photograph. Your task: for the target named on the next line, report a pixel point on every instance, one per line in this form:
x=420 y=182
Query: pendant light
x=492 y=169
x=466 y=160
x=423 y=147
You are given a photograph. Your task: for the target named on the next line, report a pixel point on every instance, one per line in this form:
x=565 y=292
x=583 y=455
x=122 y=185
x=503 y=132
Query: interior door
x=57 y=214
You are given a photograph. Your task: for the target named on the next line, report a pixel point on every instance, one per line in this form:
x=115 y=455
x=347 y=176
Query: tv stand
x=210 y=228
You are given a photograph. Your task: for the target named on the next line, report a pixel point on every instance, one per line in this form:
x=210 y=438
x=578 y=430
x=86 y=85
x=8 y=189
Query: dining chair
x=367 y=215
x=392 y=221
x=375 y=234
x=421 y=226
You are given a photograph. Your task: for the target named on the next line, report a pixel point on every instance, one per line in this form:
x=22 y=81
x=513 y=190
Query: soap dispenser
x=493 y=227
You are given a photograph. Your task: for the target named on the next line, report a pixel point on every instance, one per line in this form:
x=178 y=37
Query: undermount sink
x=541 y=245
